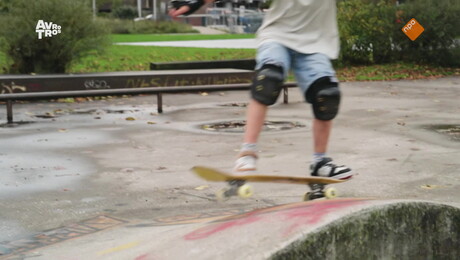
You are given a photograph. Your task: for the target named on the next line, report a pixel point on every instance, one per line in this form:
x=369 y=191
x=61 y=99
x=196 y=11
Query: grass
x=394 y=71
x=134 y=58
x=176 y=37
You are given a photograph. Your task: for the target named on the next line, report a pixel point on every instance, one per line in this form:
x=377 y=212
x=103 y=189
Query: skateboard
x=237 y=185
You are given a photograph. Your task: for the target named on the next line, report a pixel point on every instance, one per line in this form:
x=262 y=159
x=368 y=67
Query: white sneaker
x=325 y=168
x=245 y=163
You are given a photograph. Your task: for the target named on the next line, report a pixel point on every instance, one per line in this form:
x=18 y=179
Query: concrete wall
x=399 y=231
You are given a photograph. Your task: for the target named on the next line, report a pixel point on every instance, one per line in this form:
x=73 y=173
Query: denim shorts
x=307 y=68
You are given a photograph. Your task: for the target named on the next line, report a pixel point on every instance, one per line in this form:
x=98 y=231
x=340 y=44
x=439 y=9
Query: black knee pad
x=267 y=84
x=324 y=95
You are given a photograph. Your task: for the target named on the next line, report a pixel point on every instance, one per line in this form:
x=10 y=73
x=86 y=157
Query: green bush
x=440 y=42
x=125 y=12
x=118 y=26
x=5 y=5
x=148 y=26
x=371 y=32
x=364 y=31
x=79 y=36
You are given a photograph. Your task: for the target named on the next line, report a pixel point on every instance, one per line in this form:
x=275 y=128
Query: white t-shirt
x=306 y=26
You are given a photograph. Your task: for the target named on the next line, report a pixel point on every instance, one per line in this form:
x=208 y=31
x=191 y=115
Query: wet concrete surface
x=133 y=165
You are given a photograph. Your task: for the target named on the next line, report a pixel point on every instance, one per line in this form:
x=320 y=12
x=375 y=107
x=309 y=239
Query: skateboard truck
x=320 y=191
x=236 y=188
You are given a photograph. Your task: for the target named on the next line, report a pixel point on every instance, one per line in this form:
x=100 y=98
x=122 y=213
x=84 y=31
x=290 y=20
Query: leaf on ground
x=430 y=187
x=202 y=187
x=208 y=127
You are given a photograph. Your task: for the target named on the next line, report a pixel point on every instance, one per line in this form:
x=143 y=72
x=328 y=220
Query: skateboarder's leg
x=321 y=132
x=316 y=78
x=255 y=118
x=272 y=64
x=322 y=165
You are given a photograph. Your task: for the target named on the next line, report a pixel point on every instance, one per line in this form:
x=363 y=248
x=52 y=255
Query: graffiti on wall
x=296 y=216
x=96 y=84
x=58 y=235
x=199 y=217
x=11 y=88
x=175 y=82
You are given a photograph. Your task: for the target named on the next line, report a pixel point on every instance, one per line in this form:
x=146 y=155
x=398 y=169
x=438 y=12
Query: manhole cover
x=453 y=131
x=238 y=126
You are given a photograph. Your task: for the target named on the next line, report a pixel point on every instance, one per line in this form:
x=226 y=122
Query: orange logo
x=413 y=29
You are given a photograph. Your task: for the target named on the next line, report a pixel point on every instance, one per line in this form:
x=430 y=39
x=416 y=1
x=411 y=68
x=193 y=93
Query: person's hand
x=186 y=7
x=173 y=12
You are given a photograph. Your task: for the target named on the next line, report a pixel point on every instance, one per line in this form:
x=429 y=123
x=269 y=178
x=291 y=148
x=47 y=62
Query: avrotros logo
x=47 y=29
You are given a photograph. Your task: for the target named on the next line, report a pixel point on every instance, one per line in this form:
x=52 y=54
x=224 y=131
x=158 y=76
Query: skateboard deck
x=239 y=187
x=211 y=174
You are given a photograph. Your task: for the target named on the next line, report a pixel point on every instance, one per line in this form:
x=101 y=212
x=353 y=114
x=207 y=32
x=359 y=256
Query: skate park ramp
x=320 y=229
x=330 y=229
x=398 y=230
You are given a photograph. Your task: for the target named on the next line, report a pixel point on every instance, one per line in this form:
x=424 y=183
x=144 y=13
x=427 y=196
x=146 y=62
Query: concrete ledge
x=123 y=80
x=404 y=230
x=244 y=64
x=327 y=229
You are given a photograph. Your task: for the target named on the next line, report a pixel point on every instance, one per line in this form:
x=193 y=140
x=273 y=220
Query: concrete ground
x=110 y=179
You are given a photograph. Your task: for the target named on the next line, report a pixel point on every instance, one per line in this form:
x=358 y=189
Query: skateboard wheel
x=245 y=191
x=221 y=195
x=306 y=196
x=330 y=193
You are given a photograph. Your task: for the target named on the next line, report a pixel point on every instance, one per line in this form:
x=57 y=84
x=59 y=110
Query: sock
x=317 y=157
x=248 y=147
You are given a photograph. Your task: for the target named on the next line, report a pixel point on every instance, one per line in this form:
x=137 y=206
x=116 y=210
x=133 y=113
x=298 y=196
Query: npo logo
x=413 y=29
x=47 y=29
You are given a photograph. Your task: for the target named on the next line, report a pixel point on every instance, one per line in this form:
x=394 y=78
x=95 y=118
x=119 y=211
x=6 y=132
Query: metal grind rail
x=10 y=98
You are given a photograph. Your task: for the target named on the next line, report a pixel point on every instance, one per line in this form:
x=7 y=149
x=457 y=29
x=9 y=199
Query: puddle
x=237 y=126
